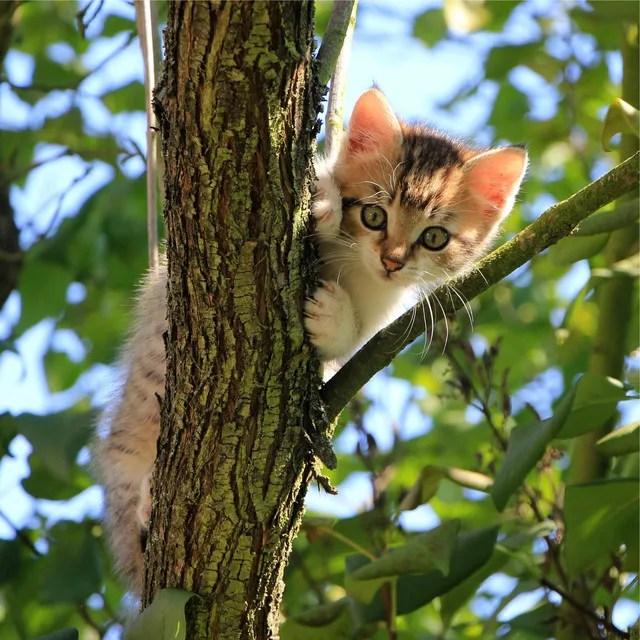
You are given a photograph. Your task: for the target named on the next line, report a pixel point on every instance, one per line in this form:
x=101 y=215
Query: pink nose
x=391 y=265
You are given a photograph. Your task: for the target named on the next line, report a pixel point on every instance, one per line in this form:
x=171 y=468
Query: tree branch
x=555 y=223
x=148 y=33
x=335 y=107
x=334 y=36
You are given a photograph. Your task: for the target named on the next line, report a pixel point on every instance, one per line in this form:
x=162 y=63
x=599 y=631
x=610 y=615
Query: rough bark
x=237 y=115
x=10 y=254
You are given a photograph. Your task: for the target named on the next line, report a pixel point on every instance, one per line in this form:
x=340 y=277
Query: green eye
x=434 y=238
x=374 y=217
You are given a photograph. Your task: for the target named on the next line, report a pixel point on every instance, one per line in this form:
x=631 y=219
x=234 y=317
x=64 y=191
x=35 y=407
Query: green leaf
x=471 y=551
x=501 y=59
x=621 y=118
x=163 y=619
x=430 y=27
x=527 y=445
x=72 y=569
x=40 y=301
x=596 y=399
x=323 y=14
x=539 y=621
x=451 y=602
x=573 y=248
x=115 y=24
x=426 y=486
x=57 y=438
x=64 y=634
x=330 y=620
x=621 y=441
x=422 y=553
x=629 y=267
x=624 y=215
x=128 y=98
x=599 y=517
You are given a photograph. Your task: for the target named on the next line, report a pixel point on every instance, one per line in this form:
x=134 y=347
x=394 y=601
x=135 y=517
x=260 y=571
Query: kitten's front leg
x=330 y=321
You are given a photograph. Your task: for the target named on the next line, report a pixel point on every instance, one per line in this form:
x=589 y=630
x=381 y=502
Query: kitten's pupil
x=435 y=238
x=374 y=217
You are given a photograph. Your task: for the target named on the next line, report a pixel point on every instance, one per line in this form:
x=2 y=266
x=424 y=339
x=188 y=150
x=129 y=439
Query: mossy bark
x=237 y=117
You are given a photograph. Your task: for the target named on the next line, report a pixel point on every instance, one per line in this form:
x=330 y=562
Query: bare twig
x=335 y=107
x=565 y=595
x=147 y=33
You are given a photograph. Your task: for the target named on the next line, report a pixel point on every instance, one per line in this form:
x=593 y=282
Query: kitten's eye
x=374 y=217
x=434 y=238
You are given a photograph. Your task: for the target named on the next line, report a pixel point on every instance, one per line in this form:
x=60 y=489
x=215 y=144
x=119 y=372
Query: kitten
x=401 y=207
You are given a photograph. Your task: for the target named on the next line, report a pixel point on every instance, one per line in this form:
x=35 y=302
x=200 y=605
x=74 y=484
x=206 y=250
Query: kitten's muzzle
x=391 y=265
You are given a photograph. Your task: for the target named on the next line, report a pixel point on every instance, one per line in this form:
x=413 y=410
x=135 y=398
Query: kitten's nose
x=391 y=265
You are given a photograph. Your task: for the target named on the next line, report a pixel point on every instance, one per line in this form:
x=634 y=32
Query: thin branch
x=147 y=33
x=555 y=223
x=565 y=595
x=334 y=36
x=335 y=107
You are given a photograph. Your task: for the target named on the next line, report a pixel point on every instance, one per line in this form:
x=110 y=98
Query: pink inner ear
x=494 y=178
x=373 y=125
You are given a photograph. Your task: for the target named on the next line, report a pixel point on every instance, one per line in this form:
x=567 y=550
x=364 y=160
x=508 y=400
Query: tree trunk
x=237 y=114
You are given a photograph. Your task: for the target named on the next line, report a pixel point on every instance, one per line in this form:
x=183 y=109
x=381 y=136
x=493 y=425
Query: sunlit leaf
x=596 y=399
x=465 y=16
x=428 y=482
x=422 y=553
x=621 y=118
x=620 y=442
x=164 y=619
x=471 y=551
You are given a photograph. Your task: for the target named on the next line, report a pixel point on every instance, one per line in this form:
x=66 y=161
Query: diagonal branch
x=555 y=223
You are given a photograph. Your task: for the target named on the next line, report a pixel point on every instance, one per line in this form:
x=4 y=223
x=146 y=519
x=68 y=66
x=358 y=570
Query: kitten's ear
x=493 y=179
x=373 y=125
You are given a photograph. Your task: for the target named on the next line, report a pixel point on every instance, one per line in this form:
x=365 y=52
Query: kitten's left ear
x=493 y=179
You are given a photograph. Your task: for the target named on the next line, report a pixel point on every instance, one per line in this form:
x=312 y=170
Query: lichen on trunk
x=237 y=114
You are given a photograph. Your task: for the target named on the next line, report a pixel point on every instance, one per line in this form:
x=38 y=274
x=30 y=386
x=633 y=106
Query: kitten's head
x=416 y=203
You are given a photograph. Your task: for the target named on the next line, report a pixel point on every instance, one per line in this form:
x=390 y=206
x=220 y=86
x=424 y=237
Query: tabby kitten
x=401 y=208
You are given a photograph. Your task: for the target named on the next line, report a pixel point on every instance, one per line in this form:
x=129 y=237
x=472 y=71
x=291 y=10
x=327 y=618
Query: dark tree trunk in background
x=237 y=119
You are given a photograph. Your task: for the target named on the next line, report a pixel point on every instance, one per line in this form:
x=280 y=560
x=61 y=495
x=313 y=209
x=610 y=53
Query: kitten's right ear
x=373 y=125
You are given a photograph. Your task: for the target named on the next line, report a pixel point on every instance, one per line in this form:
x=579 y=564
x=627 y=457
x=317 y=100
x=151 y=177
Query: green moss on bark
x=237 y=115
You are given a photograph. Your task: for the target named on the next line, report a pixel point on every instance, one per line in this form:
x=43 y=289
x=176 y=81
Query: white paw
x=143 y=511
x=330 y=321
x=327 y=206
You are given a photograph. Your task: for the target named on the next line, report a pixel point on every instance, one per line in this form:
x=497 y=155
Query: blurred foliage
x=493 y=408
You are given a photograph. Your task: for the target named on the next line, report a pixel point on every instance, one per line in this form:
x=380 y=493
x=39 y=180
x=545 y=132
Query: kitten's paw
x=330 y=321
x=327 y=206
x=143 y=512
